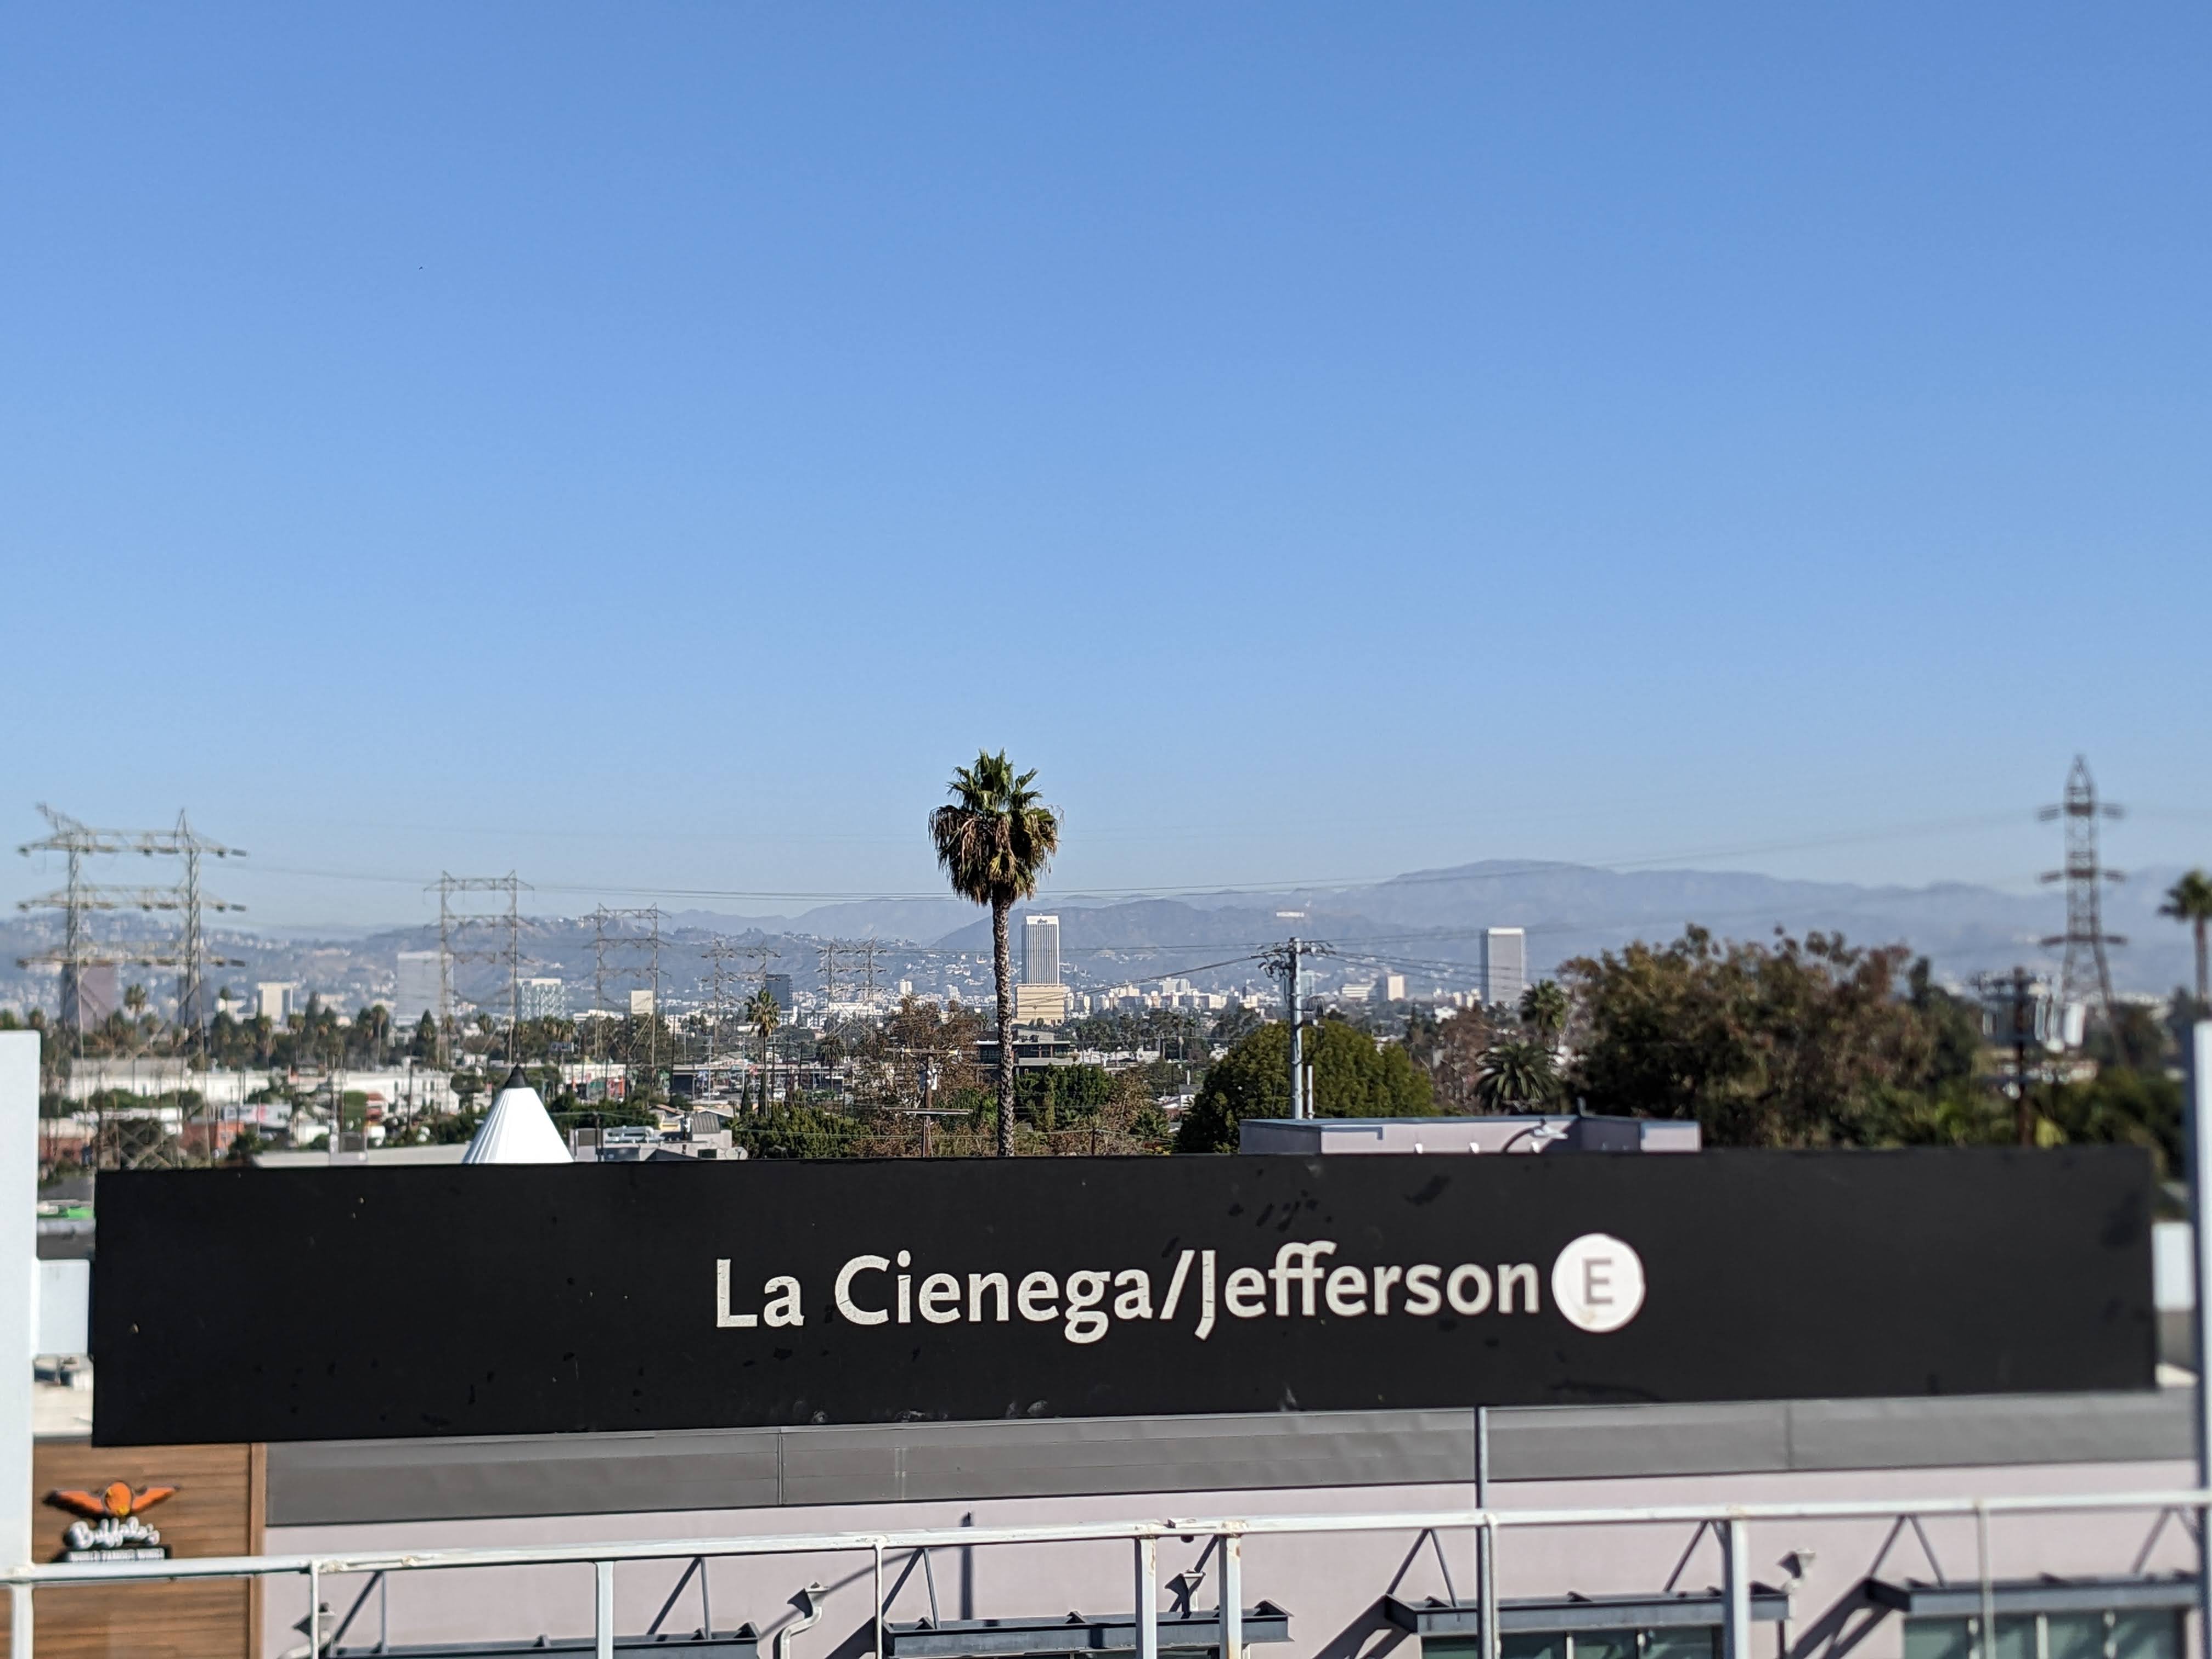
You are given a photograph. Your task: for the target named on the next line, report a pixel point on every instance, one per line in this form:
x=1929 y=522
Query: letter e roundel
x=1598 y=1283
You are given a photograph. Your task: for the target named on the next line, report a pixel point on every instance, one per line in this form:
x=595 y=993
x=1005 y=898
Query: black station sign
x=256 y=1305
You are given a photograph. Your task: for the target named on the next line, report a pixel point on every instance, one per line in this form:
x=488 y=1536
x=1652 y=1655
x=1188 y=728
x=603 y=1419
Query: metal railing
x=1730 y=1521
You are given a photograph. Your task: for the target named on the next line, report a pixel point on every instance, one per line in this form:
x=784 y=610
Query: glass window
x=1939 y=1638
x=1683 y=1642
x=2015 y=1636
x=1605 y=1644
x=2076 y=1636
x=1535 y=1645
x=2149 y=1635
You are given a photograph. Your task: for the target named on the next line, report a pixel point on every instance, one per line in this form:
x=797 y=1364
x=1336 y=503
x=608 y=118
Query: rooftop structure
x=1311 y=1136
x=517 y=1129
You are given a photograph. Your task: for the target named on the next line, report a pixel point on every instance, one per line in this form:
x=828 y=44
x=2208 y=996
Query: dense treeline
x=1811 y=1042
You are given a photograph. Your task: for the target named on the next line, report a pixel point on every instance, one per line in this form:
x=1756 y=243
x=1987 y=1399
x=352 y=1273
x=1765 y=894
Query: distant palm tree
x=2190 y=900
x=763 y=1016
x=993 y=841
x=1517 y=1073
x=1543 y=1011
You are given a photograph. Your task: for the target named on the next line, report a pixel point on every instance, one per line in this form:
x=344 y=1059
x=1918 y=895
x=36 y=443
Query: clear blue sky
x=650 y=446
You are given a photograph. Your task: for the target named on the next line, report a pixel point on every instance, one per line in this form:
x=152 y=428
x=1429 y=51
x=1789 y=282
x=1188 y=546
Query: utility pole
x=1284 y=960
x=2021 y=1000
x=2085 y=976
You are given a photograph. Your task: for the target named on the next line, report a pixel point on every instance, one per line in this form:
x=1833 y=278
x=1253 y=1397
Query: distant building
x=1041 y=1004
x=1389 y=988
x=544 y=999
x=1040 y=950
x=89 y=995
x=778 y=987
x=417 y=994
x=641 y=1004
x=1504 y=964
x=274 y=1000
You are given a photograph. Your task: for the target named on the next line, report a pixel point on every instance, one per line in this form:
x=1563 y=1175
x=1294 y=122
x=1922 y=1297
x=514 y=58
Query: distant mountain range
x=1427 y=924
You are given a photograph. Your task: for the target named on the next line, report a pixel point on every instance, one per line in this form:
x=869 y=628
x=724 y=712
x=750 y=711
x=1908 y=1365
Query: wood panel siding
x=218 y=1510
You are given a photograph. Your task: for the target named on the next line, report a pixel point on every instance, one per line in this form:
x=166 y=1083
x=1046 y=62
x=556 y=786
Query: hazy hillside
x=1422 y=917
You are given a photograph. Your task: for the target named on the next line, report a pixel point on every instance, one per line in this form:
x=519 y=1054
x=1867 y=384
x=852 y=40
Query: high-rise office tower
x=1040 y=950
x=1505 y=965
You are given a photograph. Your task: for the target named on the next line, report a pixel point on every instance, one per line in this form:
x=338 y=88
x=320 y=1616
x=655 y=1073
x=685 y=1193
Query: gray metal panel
x=1919 y=1434
x=1569 y=1443
x=362 y=1480
x=316 y=1483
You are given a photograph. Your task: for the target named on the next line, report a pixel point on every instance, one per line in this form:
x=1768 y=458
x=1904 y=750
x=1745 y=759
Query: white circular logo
x=1598 y=1282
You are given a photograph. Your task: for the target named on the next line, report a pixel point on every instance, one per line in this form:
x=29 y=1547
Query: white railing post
x=1148 y=1598
x=2197 y=1111
x=18 y=1293
x=1486 y=1540
x=314 y=1610
x=1486 y=1592
x=604 y=1608
x=1736 y=1551
x=1232 y=1594
x=19 y=1620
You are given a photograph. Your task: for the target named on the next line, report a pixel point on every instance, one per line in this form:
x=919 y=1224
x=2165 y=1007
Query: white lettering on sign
x=782 y=1309
x=847 y=1308
x=1597 y=1283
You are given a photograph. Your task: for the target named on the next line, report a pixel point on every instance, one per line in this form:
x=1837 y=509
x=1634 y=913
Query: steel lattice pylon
x=2086 y=975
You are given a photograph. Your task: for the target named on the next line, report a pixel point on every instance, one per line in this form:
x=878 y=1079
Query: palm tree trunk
x=1002 y=969
x=2201 y=993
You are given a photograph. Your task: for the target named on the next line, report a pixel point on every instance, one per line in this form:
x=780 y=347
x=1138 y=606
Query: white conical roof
x=516 y=1130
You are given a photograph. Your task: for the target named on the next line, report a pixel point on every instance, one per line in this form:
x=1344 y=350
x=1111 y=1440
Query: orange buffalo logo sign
x=111 y=1529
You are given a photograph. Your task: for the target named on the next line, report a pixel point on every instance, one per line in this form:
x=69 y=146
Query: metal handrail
x=243 y=1566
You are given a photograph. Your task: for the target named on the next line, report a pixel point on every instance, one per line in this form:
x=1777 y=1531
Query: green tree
x=2190 y=900
x=993 y=841
x=1799 y=1043
x=1518 y=1074
x=1353 y=1077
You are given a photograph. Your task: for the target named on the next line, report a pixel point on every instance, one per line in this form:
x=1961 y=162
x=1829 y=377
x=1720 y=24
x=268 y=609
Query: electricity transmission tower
x=720 y=952
x=458 y=928
x=79 y=900
x=615 y=936
x=2086 y=976
x=868 y=950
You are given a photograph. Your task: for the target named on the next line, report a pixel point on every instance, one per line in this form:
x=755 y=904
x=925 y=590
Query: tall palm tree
x=763 y=1016
x=993 y=841
x=2190 y=900
x=1543 y=1011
